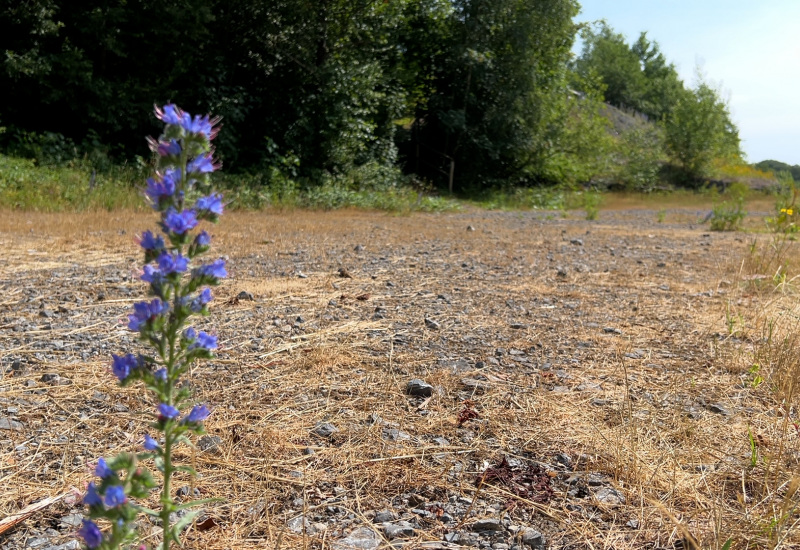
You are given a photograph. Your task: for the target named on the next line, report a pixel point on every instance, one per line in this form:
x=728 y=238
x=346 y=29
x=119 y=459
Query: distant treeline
x=780 y=168
x=463 y=93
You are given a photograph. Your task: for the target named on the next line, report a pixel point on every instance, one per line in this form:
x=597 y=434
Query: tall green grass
x=26 y=185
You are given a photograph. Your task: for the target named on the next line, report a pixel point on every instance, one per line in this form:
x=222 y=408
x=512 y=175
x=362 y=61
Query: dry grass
x=685 y=471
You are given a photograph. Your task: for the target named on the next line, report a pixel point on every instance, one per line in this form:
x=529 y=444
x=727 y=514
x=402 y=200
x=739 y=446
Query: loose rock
x=325 y=429
x=362 y=538
x=419 y=388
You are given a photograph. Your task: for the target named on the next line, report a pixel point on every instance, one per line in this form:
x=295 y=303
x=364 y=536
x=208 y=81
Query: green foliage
x=778 y=168
x=338 y=93
x=23 y=185
x=71 y=187
x=588 y=200
x=698 y=130
x=583 y=150
x=640 y=158
x=523 y=198
x=635 y=76
x=495 y=69
x=786 y=213
x=729 y=214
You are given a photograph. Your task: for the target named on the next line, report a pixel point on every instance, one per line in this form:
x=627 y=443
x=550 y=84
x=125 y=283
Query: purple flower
x=115 y=496
x=151 y=274
x=91 y=534
x=122 y=366
x=205 y=341
x=189 y=334
x=180 y=222
x=167 y=411
x=202 y=239
x=150 y=444
x=205 y=296
x=203 y=164
x=163 y=186
x=170 y=114
x=168 y=148
x=91 y=498
x=102 y=470
x=211 y=203
x=214 y=269
x=172 y=263
x=198 y=414
x=161 y=374
x=148 y=241
x=200 y=300
x=144 y=312
x=199 y=125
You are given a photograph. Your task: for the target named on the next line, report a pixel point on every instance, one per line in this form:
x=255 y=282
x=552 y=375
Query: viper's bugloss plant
x=180 y=287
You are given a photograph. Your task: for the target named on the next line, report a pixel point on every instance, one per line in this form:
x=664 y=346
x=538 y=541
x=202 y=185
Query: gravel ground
x=471 y=380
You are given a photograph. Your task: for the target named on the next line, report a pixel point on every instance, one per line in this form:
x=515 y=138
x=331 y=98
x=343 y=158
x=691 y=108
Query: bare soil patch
x=584 y=389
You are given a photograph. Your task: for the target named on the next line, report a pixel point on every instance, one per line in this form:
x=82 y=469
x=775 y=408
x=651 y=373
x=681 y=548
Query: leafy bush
x=729 y=214
x=641 y=156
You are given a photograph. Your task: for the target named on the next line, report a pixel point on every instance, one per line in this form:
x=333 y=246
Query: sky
x=748 y=49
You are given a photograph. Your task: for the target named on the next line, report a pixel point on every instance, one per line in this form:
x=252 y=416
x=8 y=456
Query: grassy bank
x=74 y=187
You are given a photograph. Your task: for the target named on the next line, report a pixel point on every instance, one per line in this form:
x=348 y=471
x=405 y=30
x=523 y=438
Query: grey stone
x=393 y=434
x=564 y=460
x=561 y=271
x=384 y=516
x=300 y=524
x=474 y=385
x=325 y=429
x=431 y=324
x=70 y=545
x=73 y=520
x=8 y=424
x=470 y=228
x=209 y=444
x=577 y=242
x=361 y=538
x=244 y=295
x=441 y=441
x=487 y=525
x=596 y=480
x=533 y=539
x=610 y=496
x=51 y=378
x=611 y=330
x=399 y=529
x=185 y=491
x=419 y=388
x=719 y=408
x=588 y=386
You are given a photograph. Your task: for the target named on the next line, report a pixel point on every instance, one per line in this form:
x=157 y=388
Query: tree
x=496 y=74
x=699 y=129
x=636 y=77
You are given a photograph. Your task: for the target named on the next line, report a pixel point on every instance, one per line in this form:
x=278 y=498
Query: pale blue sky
x=748 y=49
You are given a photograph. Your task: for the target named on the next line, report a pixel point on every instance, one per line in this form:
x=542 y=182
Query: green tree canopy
x=699 y=129
x=635 y=76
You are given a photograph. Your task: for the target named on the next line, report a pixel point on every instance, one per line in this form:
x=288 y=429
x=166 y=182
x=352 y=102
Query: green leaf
x=182 y=524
